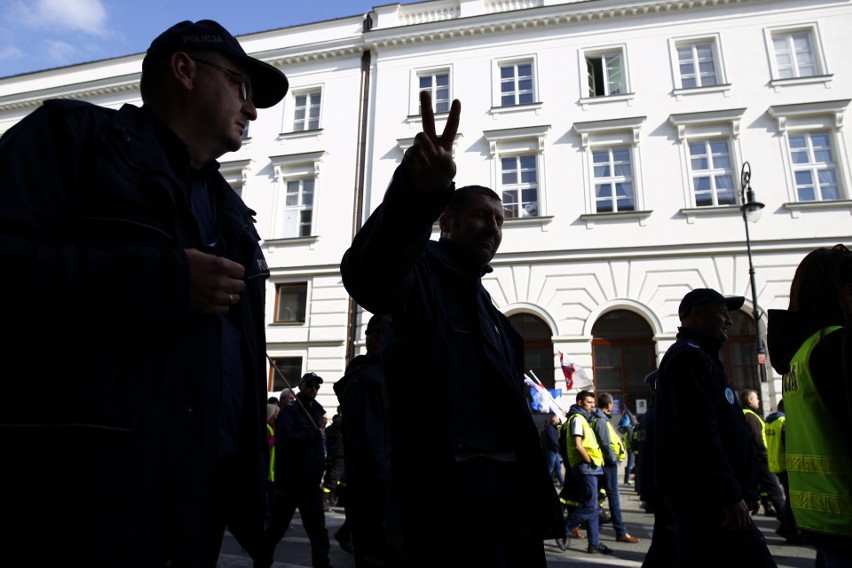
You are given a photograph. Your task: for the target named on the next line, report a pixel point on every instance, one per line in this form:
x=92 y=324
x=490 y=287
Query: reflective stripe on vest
x=271 y=475
x=819 y=467
x=590 y=443
x=773 y=432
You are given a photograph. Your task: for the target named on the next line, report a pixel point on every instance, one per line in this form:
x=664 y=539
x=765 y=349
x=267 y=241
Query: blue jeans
x=628 y=467
x=587 y=510
x=554 y=465
x=610 y=485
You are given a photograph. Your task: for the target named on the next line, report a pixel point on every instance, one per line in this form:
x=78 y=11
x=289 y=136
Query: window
x=438 y=85
x=795 y=55
x=298 y=207
x=289 y=368
x=297 y=178
x=307 y=110
x=697 y=64
x=516 y=83
x=711 y=172
x=612 y=174
x=613 y=179
x=291 y=299
x=812 y=140
x=708 y=142
x=518 y=170
x=605 y=71
x=235 y=173
x=519 y=186
x=814 y=168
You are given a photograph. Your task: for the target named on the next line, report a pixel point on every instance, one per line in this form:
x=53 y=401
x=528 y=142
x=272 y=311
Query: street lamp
x=751 y=213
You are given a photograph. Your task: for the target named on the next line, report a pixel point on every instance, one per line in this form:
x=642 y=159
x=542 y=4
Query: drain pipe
x=360 y=167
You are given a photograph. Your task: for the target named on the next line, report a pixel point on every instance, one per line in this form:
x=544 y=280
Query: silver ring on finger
x=230 y=299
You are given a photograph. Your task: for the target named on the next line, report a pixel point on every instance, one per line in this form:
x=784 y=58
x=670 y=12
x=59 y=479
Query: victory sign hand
x=429 y=161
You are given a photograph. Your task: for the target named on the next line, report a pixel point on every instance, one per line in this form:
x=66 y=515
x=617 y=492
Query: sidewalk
x=294 y=550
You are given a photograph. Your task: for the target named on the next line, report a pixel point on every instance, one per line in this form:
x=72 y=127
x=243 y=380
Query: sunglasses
x=241 y=80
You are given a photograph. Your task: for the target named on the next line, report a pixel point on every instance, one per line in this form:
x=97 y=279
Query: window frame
x=818 y=54
x=497 y=81
x=720 y=76
x=824 y=116
x=599 y=52
x=236 y=173
x=296 y=361
x=519 y=187
x=295 y=168
x=515 y=142
x=304 y=125
x=710 y=125
x=433 y=72
x=300 y=289
x=605 y=134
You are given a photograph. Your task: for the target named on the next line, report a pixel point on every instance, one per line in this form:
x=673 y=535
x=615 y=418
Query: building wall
x=568 y=265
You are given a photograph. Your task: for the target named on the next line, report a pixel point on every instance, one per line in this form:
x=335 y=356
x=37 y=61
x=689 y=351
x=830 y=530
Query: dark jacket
x=363 y=396
x=453 y=364
x=703 y=457
x=106 y=363
x=550 y=438
x=299 y=446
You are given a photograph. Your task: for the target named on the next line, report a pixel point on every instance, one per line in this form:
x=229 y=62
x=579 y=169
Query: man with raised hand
x=472 y=468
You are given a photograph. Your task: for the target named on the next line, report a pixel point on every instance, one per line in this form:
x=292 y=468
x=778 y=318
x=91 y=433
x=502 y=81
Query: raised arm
x=377 y=267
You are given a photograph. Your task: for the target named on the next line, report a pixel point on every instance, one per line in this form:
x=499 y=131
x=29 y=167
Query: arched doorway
x=622 y=355
x=538 y=346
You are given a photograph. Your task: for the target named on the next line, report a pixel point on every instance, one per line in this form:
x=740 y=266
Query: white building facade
x=615 y=130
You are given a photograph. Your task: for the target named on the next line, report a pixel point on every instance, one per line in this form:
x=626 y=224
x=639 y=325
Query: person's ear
x=183 y=69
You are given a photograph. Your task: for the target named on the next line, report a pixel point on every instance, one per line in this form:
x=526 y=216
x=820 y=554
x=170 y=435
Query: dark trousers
x=307 y=498
x=587 y=511
x=770 y=489
x=703 y=546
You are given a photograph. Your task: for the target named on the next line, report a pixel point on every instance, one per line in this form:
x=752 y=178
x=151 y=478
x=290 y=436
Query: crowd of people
x=161 y=441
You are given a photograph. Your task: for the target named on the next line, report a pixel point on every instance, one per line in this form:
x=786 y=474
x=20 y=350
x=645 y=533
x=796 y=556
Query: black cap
x=311 y=378
x=374 y=325
x=703 y=296
x=269 y=85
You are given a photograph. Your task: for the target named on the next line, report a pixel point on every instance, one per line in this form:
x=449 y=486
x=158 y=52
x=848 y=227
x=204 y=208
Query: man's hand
x=737 y=516
x=215 y=283
x=429 y=161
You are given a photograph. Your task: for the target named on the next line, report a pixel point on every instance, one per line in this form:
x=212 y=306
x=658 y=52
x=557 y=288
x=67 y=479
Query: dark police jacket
x=453 y=362
x=107 y=365
x=703 y=458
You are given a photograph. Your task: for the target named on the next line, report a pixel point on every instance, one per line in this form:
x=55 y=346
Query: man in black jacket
x=371 y=505
x=136 y=285
x=704 y=465
x=465 y=449
x=299 y=467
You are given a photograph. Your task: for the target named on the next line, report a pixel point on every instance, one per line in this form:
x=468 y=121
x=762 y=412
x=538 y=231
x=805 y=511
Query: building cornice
x=426 y=22
x=105 y=87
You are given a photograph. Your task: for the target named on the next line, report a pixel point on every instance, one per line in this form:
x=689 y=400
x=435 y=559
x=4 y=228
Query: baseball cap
x=374 y=325
x=703 y=296
x=269 y=85
x=311 y=378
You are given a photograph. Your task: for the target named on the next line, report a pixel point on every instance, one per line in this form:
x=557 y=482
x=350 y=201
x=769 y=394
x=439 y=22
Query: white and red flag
x=573 y=373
